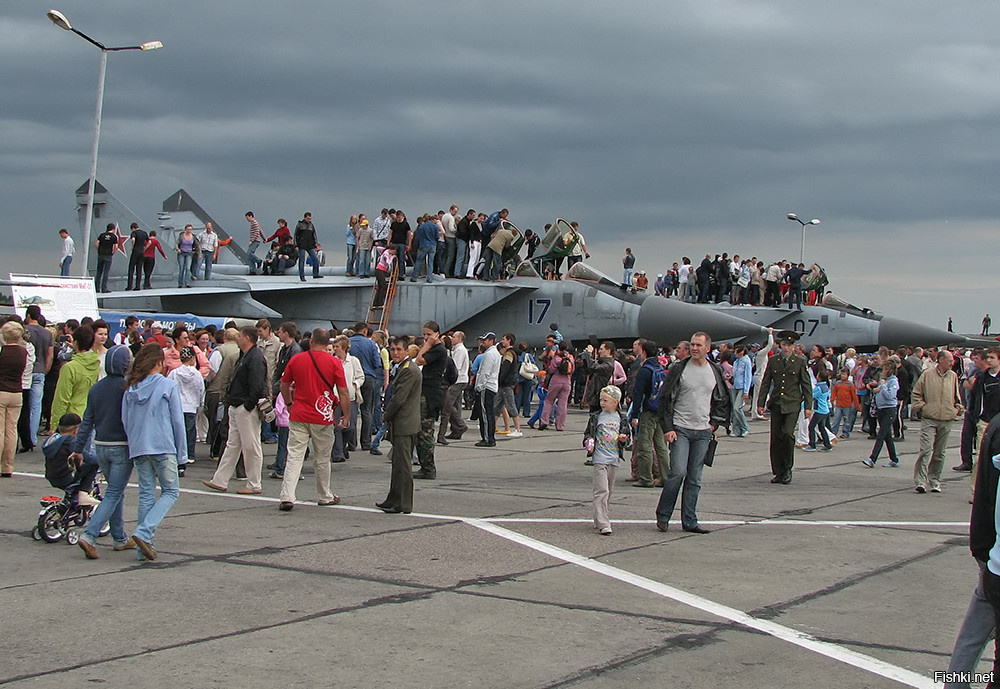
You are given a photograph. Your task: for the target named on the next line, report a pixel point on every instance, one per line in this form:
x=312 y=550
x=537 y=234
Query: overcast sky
x=676 y=128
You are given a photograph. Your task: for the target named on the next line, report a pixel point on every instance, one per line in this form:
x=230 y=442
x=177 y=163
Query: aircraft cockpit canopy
x=581 y=272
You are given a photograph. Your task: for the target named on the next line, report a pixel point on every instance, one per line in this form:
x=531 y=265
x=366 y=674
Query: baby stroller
x=60 y=518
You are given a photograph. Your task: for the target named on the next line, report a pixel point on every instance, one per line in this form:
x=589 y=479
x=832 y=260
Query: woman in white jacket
x=346 y=439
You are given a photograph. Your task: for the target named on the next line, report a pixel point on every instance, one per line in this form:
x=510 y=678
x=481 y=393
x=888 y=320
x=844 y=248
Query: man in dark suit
x=402 y=414
x=784 y=387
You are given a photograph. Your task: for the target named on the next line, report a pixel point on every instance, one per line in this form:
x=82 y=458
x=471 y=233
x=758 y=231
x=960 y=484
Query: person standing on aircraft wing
x=305 y=240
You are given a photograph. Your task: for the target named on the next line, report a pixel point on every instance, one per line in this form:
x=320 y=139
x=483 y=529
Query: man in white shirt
x=450 y=223
x=487 y=384
x=208 y=240
x=453 y=396
x=68 y=249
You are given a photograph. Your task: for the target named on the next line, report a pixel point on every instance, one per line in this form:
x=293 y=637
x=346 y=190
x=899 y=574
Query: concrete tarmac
x=845 y=578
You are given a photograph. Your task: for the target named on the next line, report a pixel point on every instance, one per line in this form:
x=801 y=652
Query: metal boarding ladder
x=378 y=318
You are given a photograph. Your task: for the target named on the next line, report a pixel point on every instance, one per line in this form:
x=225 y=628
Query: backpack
x=659 y=375
x=450 y=372
x=565 y=366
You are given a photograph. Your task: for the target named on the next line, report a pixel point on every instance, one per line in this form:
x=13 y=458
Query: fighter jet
x=586 y=306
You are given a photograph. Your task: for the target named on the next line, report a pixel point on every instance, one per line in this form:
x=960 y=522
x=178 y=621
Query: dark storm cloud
x=678 y=125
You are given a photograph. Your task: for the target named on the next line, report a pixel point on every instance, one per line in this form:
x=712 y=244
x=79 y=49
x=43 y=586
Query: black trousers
x=135 y=263
x=487 y=422
x=783 y=427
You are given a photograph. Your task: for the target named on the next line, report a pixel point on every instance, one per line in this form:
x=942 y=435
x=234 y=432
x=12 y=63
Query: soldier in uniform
x=783 y=389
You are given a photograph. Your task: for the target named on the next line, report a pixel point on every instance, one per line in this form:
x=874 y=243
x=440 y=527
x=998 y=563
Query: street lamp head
x=59 y=19
x=156 y=45
x=792 y=216
x=814 y=221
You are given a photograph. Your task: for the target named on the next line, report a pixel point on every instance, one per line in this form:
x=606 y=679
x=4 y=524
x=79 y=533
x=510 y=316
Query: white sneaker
x=515 y=434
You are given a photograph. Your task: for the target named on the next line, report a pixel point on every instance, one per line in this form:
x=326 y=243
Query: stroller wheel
x=72 y=536
x=105 y=530
x=35 y=533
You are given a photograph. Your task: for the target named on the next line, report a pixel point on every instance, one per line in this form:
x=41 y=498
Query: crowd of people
x=735 y=280
x=443 y=243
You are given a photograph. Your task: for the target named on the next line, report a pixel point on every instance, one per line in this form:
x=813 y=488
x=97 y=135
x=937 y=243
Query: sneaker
x=808 y=448
x=870 y=463
x=825 y=449
x=936 y=489
x=515 y=434
x=275 y=474
x=606 y=531
x=921 y=489
x=891 y=465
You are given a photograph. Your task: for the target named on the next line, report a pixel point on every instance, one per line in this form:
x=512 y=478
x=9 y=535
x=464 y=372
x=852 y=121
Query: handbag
x=528 y=369
x=713 y=445
x=265 y=409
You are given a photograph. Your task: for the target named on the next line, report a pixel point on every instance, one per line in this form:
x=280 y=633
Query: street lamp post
x=60 y=20
x=814 y=221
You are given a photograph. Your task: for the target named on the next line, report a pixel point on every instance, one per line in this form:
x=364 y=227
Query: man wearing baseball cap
x=487 y=385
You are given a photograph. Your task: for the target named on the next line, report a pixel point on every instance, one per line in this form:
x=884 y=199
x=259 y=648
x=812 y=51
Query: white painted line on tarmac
x=833 y=651
x=729 y=522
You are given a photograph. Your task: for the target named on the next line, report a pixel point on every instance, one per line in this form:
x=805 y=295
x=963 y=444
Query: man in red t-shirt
x=307 y=387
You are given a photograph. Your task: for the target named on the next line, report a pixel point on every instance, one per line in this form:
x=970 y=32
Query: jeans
x=461 y=247
x=425 y=257
x=492 y=263
x=206 y=258
x=266 y=432
x=740 y=425
x=183 y=269
x=687 y=459
x=367 y=409
x=302 y=262
x=116 y=466
x=885 y=417
x=252 y=261
x=977 y=629
x=522 y=400
x=352 y=255
x=152 y=510
x=37 y=392
x=818 y=420
x=364 y=268
x=401 y=260
x=795 y=297
x=191 y=433
x=101 y=276
x=627 y=277
x=281 y=454
x=64 y=266
x=843 y=421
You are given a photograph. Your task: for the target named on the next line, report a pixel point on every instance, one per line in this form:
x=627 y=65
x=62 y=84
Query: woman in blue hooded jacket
x=104 y=418
x=154 y=423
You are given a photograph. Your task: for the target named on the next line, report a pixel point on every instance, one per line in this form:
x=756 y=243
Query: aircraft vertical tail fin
x=378 y=314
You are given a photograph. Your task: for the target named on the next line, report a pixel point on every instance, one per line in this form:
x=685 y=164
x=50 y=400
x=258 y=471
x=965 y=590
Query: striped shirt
x=256 y=235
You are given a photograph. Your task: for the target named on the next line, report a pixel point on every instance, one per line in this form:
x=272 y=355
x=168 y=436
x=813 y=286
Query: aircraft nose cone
x=893 y=332
x=668 y=321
